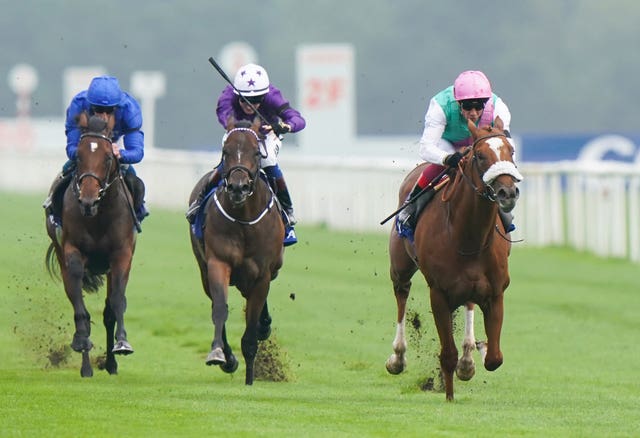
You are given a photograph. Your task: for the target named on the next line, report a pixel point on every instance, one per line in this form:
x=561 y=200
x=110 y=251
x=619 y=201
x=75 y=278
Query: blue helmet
x=104 y=91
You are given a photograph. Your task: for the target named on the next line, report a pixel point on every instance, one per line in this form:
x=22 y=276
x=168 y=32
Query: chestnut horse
x=241 y=245
x=97 y=238
x=462 y=250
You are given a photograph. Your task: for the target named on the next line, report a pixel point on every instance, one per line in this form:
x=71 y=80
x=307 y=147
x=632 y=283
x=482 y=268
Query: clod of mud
x=271 y=362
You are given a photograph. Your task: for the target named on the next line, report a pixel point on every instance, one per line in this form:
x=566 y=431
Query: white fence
x=588 y=206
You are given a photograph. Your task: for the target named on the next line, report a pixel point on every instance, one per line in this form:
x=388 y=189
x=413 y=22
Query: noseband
x=488 y=192
x=105 y=183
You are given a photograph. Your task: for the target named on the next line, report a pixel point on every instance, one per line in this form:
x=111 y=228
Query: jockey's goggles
x=255 y=100
x=98 y=109
x=473 y=104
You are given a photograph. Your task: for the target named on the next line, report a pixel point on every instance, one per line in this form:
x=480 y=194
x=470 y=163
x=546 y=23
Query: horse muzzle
x=88 y=207
x=506 y=192
x=238 y=193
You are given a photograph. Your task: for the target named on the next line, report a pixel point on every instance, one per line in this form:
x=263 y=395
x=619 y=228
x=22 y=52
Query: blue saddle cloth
x=403 y=230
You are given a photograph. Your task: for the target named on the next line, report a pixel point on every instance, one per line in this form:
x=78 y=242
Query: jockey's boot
x=53 y=203
x=288 y=217
x=194 y=208
x=137 y=189
x=408 y=217
x=507 y=221
x=285 y=200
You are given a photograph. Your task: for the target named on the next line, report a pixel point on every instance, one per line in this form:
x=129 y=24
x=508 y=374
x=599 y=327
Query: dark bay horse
x=462 y=250
x=241 y=245
x=97 y=239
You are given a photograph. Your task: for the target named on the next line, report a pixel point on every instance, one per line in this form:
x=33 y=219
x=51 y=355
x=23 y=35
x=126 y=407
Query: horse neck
x=471 y=215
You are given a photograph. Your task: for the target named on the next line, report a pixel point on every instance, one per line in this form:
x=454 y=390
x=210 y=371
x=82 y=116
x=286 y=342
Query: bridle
x=487 y=192
x=105 y=182
x=252 y=175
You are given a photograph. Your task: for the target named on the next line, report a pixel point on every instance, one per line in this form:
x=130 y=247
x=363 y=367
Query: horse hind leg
x=109 y=319
x=466 y=367
x=448 y=353
x=117 y=302
x=397 y=362
x=86 y=370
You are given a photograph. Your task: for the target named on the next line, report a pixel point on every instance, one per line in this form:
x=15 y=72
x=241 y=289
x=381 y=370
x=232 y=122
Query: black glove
x=281 y=128
x=453 y=159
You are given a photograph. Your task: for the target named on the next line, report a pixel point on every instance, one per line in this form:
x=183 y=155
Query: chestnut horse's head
x=96 y=165
x=493 y=159
x=241 y=159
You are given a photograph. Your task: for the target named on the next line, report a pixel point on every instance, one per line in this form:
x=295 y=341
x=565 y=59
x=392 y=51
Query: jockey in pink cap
x=445 y=133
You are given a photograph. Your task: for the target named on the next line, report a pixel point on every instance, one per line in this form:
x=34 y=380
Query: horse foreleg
x=264 y=323
x=397 y=362
x=466 y=367
x=255 y=304
x=493 y=316
x=72 y=273
x=109 y=320
x=218 y=275
x=116 y=285
x=443 y=318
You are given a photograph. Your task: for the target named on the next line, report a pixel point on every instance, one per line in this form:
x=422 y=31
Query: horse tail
x=92 y=282
x=51 y=262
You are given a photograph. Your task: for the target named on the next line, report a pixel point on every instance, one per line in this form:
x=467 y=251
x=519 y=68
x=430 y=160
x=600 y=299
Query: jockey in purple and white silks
x=445 y=133
x=252 y=82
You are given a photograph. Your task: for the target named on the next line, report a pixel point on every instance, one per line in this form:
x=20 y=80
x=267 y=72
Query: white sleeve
x=501 y=110
x=434 y=123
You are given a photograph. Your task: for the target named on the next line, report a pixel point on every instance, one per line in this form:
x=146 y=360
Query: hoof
x=264 y=331
x=395 y=365
x=216 y=357
x=231 y=365
x=466 y=369
x=81 y=343
x=122 y=347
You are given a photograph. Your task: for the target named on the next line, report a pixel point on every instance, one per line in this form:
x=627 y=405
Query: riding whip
x=429 y=186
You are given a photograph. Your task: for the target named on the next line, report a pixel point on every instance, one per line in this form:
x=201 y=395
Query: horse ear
x=257 y=123
x=472 y=129
x=231 y=122
x=82 y=120
x=111 y=123
x=498 y=123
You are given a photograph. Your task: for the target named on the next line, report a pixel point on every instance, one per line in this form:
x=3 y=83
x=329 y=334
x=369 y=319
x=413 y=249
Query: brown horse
x=462 y=250
x=241 y=245
x=97 y=238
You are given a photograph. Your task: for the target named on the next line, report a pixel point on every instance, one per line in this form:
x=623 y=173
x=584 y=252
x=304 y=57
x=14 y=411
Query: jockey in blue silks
x=252 y=82
x=104 y=99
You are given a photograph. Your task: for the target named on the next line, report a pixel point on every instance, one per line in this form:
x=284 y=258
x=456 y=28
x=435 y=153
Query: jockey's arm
x=435 y=122
x=133 y=151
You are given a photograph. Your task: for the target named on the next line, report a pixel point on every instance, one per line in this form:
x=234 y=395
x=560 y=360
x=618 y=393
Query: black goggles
x=473 y=104
x=98 y=109
x=255 y=100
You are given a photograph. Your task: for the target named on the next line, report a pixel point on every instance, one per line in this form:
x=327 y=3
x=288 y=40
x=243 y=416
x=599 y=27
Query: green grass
x=569 y=340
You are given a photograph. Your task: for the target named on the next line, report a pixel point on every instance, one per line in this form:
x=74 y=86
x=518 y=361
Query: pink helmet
x=471 y=84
